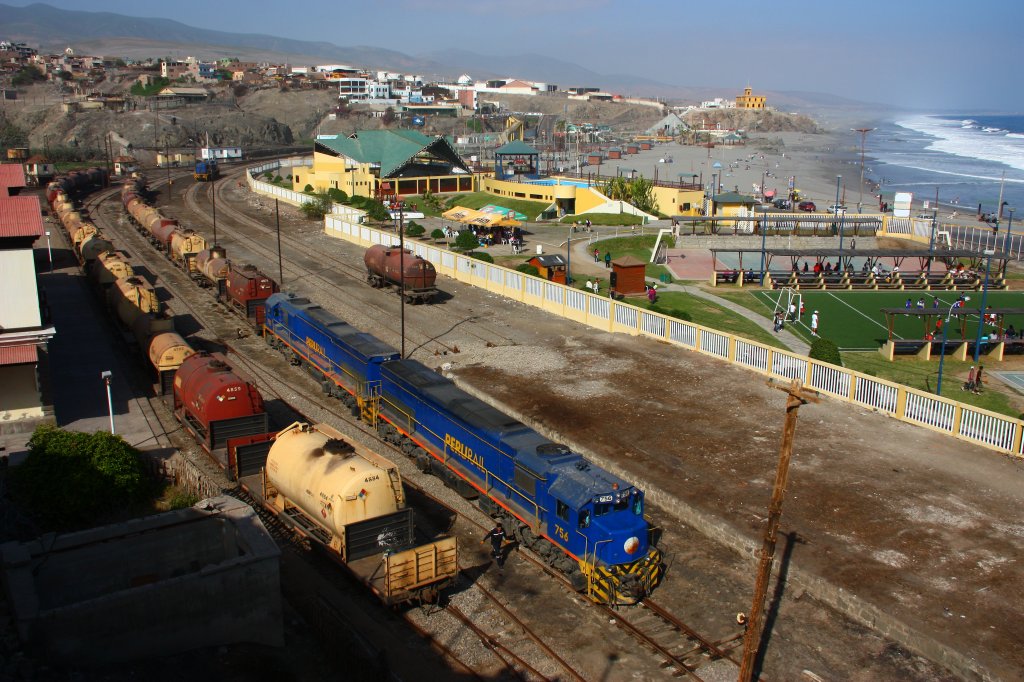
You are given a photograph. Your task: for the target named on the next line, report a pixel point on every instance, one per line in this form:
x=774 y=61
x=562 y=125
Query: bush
x=485 y=257
x=437 y=234
x=277 y=178
x=826 y=351
x=318 y=208
x=528 y=269
x=182 y=500
x=269 y=175
x=414 y=229
x=72 y=480
x=308 y=189
x=466 y=241
x=375 y=210
x=337 y=196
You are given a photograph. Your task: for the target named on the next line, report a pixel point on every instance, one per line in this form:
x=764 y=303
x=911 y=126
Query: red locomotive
x=247 y=289
x=385 y=266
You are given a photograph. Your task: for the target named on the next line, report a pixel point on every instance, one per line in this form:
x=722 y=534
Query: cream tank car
x=329 y=480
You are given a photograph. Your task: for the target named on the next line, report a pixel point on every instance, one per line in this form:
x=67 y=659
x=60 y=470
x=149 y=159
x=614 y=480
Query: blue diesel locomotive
x=583 y=520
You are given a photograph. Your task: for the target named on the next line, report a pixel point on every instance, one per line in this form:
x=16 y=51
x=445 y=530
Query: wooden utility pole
x=751 y=640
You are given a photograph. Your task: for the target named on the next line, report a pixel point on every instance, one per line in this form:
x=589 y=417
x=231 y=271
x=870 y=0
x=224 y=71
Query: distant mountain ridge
x=52 y=29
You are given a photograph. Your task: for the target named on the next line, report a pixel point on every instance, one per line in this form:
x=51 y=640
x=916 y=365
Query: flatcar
x=412 y=275
x=216 y=404
x=582 y=519
x=350 y=501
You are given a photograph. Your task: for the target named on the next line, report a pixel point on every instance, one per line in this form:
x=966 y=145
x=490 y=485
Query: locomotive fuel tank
x=332 y=481
x=389 y=264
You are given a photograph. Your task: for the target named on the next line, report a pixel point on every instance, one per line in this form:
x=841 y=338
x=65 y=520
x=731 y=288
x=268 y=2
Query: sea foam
x=967 y=141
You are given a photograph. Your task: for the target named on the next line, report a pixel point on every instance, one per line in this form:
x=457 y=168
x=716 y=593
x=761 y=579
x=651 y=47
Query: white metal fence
x=901 y=402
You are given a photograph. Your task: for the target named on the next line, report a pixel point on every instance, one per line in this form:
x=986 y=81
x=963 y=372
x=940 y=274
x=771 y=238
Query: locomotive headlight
x=631 y=545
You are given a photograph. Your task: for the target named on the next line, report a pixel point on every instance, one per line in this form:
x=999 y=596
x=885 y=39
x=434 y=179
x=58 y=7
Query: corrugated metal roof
x=18 y=355
x=20 y=217
x=11 y=175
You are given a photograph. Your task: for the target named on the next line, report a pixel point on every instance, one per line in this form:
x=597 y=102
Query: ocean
x=966 y=157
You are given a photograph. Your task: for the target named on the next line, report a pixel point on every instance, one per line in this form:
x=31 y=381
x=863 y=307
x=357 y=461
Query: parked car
x=836 y=208
x=781 y=203
x=807 y=206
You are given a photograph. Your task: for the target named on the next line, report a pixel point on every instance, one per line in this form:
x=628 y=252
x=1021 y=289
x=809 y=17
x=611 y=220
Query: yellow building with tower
x=748 y=100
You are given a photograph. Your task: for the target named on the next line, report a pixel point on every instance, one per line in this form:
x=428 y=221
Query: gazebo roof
x=516 y=147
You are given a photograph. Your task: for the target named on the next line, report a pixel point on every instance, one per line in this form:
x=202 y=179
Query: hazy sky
x=922 y=54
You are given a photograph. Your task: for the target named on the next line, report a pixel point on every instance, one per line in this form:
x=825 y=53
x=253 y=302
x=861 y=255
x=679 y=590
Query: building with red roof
x=24 y=331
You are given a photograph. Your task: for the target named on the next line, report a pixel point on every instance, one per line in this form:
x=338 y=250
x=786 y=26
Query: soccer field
x=854 y=321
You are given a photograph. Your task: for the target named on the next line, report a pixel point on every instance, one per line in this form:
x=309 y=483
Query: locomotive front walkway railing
x=988 y=429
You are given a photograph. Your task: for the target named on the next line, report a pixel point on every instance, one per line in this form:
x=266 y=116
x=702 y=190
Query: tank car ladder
x=369 y=403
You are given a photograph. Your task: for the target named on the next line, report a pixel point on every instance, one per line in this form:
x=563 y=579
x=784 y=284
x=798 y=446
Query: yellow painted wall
x=20 y=397
x=671 y=200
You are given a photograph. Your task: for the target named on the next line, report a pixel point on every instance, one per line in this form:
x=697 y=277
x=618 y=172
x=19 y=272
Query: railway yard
x=887 y=528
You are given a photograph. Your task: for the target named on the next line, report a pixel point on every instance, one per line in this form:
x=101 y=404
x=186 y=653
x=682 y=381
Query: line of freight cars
x=242 y=287
x=131 y=299
x=344 y=497
x=339 y=495
x=583 y=520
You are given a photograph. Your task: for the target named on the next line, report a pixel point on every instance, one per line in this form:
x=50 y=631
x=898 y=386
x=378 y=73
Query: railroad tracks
x=676 y=644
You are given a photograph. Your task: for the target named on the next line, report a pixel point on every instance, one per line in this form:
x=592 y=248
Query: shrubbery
x=337 y=195
x=826 y=351
x=318 y=207
x=414 y=229
x=528 y=269
x=437 y=234
x=73 y=480
x=308 y=189
x=466 y=241
x=485 y=257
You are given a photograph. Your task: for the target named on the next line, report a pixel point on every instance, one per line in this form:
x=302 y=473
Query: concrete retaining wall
x=203 y=576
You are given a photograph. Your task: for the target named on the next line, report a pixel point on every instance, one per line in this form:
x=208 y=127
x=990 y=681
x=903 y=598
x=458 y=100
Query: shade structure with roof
x=469 y=216
x=516 y=159
x=375 y=163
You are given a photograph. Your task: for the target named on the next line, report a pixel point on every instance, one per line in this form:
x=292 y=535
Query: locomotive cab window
x=638 y=504
x=584 y=518
x=602 y=508
x=562 y=510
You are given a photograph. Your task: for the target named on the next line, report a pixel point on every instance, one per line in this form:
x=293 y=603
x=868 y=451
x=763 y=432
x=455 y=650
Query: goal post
x=789 y=299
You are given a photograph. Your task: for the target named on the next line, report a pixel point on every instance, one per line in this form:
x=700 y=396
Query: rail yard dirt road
x=907 y=531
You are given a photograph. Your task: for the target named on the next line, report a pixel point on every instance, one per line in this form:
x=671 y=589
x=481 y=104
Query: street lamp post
x=568 y=258
x=945 y=332
x=106 y=376
x=931 y=239
x=835 y=207
x=863 y=134
x=984 y=299
x=1009 y=237
x=49 y=251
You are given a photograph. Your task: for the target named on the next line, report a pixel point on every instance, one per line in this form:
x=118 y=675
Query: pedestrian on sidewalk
x=597 y=255
x=608 y=259
x=969 y=384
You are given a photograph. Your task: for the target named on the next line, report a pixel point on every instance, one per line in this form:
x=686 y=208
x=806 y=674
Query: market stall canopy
x=470 y=216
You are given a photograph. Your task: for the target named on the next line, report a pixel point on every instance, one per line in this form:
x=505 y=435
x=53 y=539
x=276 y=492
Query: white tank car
x=334 y=483
x=350 y=500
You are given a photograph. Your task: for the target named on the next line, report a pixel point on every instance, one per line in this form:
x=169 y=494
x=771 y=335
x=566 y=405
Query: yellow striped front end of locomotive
x=623 y=584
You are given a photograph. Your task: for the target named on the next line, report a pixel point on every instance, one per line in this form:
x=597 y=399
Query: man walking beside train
x=497 y=537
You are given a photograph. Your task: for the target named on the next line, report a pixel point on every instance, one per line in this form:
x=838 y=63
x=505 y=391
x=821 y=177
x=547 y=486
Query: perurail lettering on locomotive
x=315 y=346
x=463 y=451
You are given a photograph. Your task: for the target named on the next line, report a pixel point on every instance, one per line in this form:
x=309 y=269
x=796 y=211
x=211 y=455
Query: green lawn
x=703 y=312
x=639 y=247
x=531 y=209
x=924 y=376
x=854 y=321
x=610 y=219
